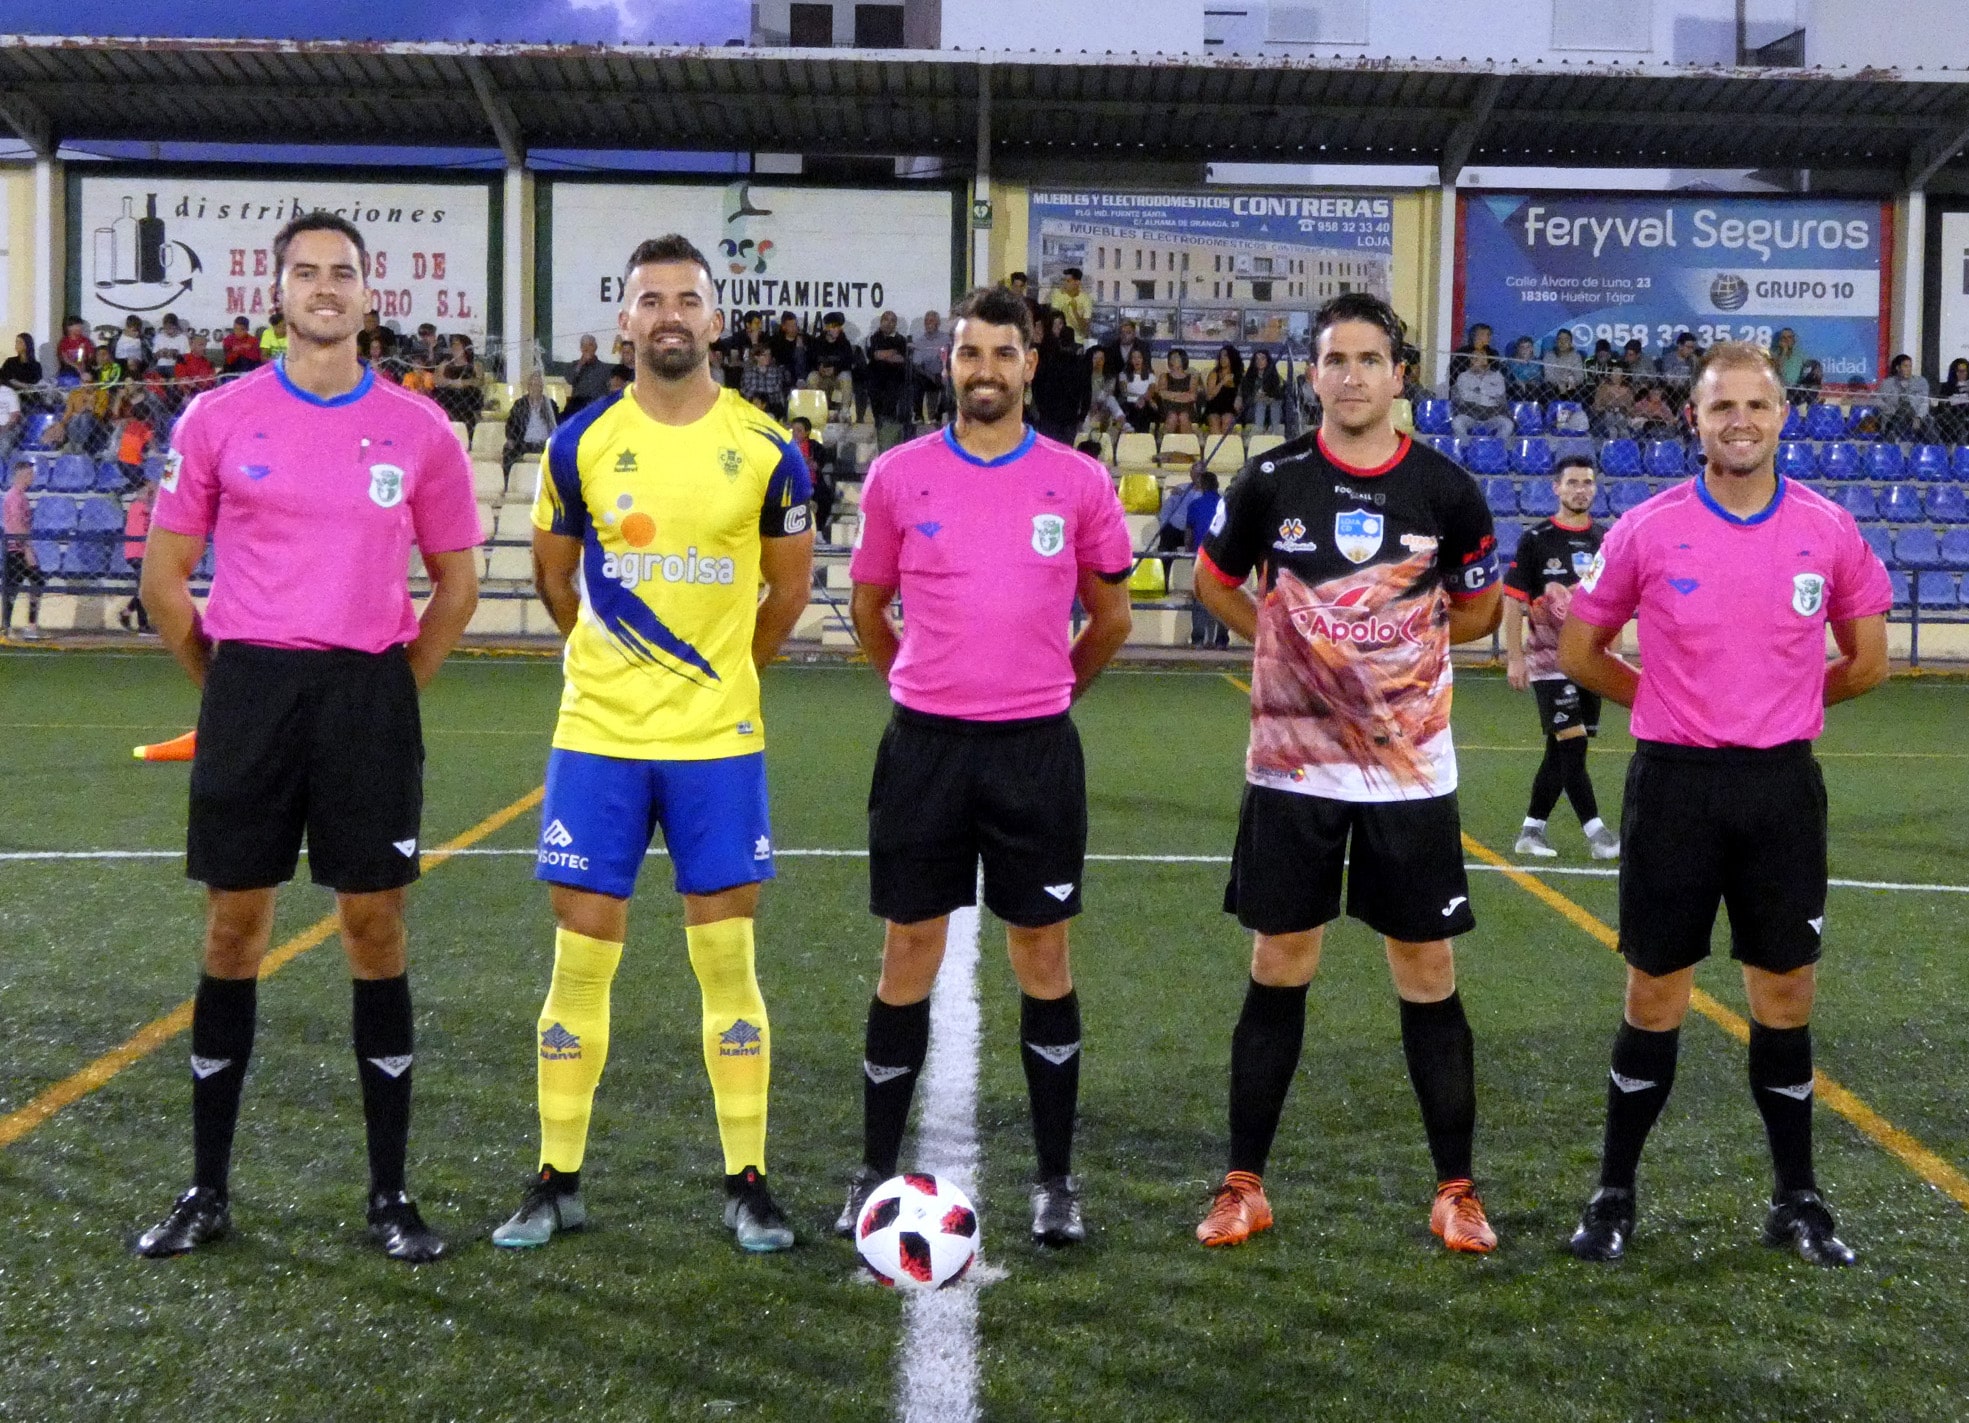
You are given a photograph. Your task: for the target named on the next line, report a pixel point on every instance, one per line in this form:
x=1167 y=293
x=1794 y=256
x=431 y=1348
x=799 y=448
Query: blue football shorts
x=602 y=812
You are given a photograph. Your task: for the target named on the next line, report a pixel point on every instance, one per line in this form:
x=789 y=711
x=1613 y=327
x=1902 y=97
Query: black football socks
x=1265 y=1049
x=1643 y=1071
x=1781 y=1081
x=898 y=1040
x=381 y=1022
x=1049 y=1046
x=1441 y=1054
x=222 y=1017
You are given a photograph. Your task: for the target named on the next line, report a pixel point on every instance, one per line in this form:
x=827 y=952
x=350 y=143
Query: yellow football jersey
x=659 y=665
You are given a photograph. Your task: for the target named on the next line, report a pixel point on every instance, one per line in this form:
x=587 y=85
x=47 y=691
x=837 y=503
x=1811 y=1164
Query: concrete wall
x=1147 y=27
x=17 y=260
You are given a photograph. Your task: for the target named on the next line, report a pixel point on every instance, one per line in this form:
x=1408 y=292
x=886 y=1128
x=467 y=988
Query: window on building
x=1145 y=290
x=811 y=26
x=878 y=27
x=1261 y=266
x=1261 y=291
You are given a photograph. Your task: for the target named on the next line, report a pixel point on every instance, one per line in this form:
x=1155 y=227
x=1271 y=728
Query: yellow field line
x=156 y=1033
x=1938 y=1172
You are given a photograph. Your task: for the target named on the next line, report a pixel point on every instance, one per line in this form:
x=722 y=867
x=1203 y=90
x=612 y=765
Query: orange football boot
x=1458 y=1217
x=1238 y=1211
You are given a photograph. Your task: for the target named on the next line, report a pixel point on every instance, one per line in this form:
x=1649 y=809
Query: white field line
x=656 y=852
x=938 y=1374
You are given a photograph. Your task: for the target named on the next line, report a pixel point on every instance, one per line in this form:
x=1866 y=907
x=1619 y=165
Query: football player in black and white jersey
x=1552 y=557
x=1374 y=554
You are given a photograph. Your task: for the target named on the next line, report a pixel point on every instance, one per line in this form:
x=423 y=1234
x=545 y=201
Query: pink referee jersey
x=988 y=555
x=1732 y=611
x=313 y=507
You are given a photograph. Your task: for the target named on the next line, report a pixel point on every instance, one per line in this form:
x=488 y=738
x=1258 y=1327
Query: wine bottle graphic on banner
x=123 y=246
x=150 y=243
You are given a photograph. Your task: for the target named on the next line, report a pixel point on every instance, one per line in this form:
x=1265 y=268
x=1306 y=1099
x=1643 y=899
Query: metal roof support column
x=1912 y=239
x=1446 y=334
x=515 y=224
x=48 y=255
x=981 y=184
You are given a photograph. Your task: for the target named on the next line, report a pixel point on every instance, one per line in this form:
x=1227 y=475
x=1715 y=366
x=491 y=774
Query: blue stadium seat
x=1564 y=446
x=1532 y=456
x=1451 y=447
x=1929 y=462
x=1565 y=415
x=110 y=478
x=1794 y=425
x=102 y=516
x=1663 y=459
x=1884 y=461
x=1602 y=503
x=1840 y=461
x=1486 y=454
x=54 y=515
x=1795 y=460
x=203 y=573
x=1824 y=422
x=1901 y=504
x=72 y=474
x=1948 y=505
x=1938 y=590
x=1626 y=494
x=1955 y=548
x=1432 y=416
x=1527 y=417
x=1620 y=459
x=1917 y=548
x=1879 y=541
x=1897 y=580
x=1861 y=415
x=1501 y=495
x=1536 y=498
x=1508 y=532
x=35 y=428
x=1858 y=500
x=1695 y=461
x=1962 y=463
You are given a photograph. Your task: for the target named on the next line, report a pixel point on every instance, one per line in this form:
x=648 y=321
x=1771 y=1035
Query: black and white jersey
x=1551 y=559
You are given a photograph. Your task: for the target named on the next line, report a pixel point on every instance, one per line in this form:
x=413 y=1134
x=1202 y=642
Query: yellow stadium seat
x=510 y=564
x=1135 y=450
x=1147 y=581
x=1180 y=449
x=489 y=440
x=463 y=432
x=1259 y=444
x=1141 y=494
x=809 y=405
x=1403 y=414
x=1225 y=454
x=556 y=389
x=488 y=479
x=498 y=398
x=521 y=487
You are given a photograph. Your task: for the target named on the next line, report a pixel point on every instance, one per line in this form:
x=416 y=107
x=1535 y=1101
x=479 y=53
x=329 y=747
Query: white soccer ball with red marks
x=917 y=1232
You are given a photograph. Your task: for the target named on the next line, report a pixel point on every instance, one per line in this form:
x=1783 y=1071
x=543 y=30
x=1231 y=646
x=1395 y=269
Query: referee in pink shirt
x=1735 y=578
x=314 y=480
x=989 y=531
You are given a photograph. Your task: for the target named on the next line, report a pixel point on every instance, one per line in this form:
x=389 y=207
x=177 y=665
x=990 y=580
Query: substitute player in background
x=1736 y=577
x=661 y=515
x=989 y=532
x=313 y=479
x=1375 y=555
x=1538 y=585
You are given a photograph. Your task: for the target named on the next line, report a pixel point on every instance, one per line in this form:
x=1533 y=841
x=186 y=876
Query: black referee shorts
x=326 y=744
x=1563 y=705
x=950 y=793
x=1736 y=827
x=1405 y=876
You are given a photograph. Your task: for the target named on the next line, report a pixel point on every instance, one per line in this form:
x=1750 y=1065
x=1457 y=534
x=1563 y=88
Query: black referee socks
x=1781 y=1081
x=1643 y=1071
x=222 y=1016
x=1265 y=1049
x=892 y=1059
x=1049 y=1046
x=381 y=1022
x=1441 y=1057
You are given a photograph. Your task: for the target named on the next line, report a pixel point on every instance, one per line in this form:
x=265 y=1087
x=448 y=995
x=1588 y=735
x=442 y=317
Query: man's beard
x=992 y=402
x=670 y=363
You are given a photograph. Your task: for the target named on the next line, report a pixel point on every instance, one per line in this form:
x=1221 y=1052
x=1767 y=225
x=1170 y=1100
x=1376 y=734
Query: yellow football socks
x=737 y=1039
x=573 y=1044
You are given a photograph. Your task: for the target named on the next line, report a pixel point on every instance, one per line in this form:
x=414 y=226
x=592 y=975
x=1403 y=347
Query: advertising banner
x=1201 y=268
x=202 y=247
x=858 y=251
x=1646 y=268
x=1950 y=272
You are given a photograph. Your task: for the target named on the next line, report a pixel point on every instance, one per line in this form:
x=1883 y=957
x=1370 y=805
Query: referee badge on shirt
x=1807 y=593
x=1049 y=534
x=1357 y=534
x=385 y=486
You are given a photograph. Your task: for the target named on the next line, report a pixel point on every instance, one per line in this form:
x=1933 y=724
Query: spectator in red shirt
x=242 y=347
x=193 y=372
x=76 y=348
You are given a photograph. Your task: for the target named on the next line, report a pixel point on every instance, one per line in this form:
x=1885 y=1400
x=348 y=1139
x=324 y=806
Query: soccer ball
x=917 y=1233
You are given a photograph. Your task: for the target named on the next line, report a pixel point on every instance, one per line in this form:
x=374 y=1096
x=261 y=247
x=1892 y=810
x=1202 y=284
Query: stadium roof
x=1221 y=107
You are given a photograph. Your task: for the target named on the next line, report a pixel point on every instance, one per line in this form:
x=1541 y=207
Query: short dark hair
x=1363 y=306
x=317 y=221
x=1574 y=460
x=1018 y=277
x=995 y=306
x=1073 y=272
x=673 y=247
x=801 y=420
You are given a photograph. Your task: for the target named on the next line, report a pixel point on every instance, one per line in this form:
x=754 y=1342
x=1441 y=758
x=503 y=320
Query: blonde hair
x=1736 y=356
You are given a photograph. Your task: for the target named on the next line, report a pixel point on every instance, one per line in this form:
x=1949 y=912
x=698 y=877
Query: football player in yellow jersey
x=662 y=514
